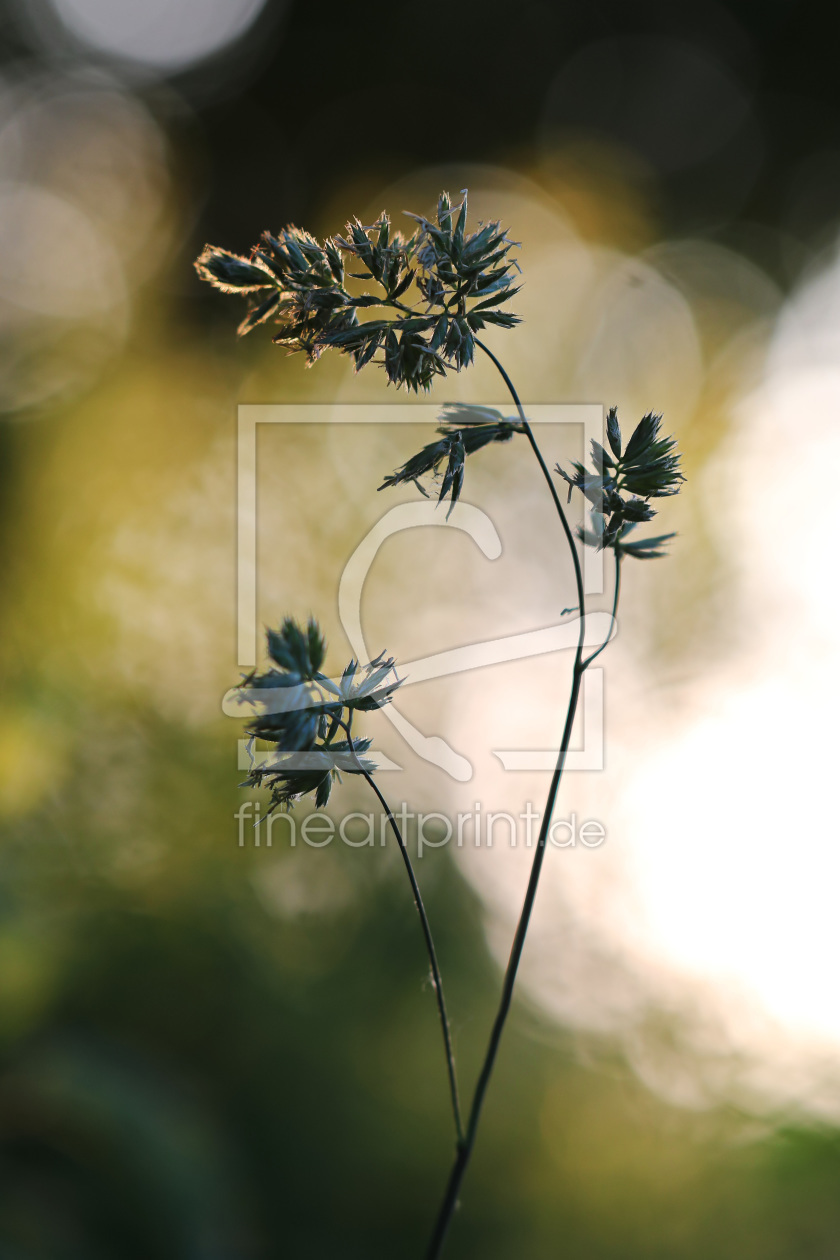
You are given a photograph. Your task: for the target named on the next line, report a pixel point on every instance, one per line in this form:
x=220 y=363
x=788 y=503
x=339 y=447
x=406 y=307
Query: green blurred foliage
x=195 y=1064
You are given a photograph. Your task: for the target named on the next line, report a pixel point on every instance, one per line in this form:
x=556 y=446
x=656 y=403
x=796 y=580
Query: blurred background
x=218 y=1051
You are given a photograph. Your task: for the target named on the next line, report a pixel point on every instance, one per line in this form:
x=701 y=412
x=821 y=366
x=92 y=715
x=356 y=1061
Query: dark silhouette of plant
x=301 y=712
x=458 y=281
x=445 y=285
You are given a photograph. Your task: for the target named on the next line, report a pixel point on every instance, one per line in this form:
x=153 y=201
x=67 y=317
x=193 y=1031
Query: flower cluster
x=465 y=430
x=457 y=280
x=648 y=468
x=302 y=712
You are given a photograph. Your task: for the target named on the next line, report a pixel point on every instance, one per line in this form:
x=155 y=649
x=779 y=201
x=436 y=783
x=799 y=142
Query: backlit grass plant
x=427 y=297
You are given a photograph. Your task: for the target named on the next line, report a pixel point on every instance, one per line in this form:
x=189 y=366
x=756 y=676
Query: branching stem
x=465 y=1148
x=616 y=593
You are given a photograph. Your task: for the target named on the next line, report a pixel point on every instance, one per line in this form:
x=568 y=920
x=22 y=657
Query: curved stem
x=465 y=1148
x=459 y=1168
x=437 y=981
x=433 y=962
x=529 y=433
x=616 y=593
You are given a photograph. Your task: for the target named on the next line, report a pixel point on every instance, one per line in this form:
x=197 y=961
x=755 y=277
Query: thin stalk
x=529 y=433
x=465 y=1148
x=464 y=1152
x=437 y=981
x=616 y=593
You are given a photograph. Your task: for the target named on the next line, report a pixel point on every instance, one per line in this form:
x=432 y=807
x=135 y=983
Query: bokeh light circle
x=168 y=35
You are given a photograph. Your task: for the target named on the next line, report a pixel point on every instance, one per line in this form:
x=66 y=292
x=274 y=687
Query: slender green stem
x=616 y=593
x=529 y=433
x=437 y=981
x=465 y=1149
x=400 y=306
x=464 y=1152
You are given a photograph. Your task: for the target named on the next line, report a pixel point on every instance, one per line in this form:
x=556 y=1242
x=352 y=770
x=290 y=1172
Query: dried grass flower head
x=433 y=291
x=302 y=712
x=648 y=468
